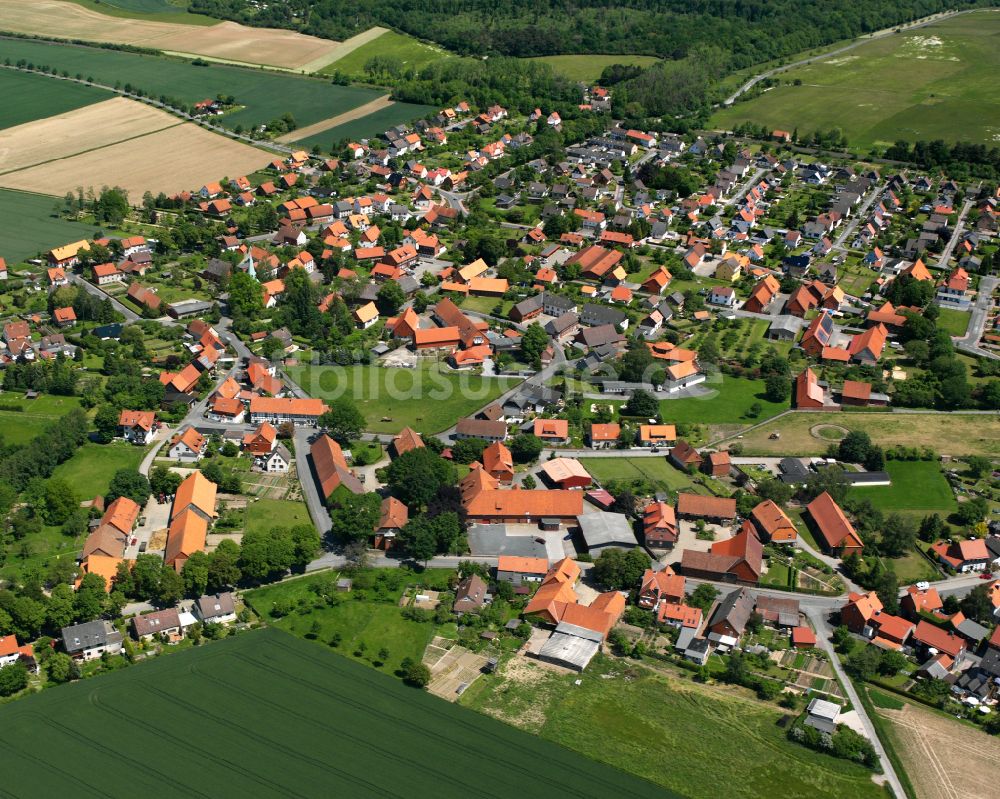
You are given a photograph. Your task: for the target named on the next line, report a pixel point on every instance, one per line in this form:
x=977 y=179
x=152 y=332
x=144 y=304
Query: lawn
x=917 y=486
x=429 y=399
x=27 y=226
x=727 y=403
x=285 y=717
x=655 y=470
x=370 y=125
x=28 y=97
x=267 y=513
x=937 y=82
x=413 y=53
x=952 y=434
x=588 y=68
x=92 y=466
x=264 y=95
x=667 y=729
x=955 y=322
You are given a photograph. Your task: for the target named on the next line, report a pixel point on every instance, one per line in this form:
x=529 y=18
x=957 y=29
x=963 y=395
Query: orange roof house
x=659 y=524
x=867 y=347
x=660 y=586
x=808 y=392
x=196 y=493
x=331 y=468
x=918 y=271
x=773 y=523
x=121 y=514
x=498 y=461
x=552 y=430
x=407 y=439
x=835 y=531
x=185 y=536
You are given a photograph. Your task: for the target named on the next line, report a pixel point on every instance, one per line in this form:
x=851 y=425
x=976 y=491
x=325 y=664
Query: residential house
x=470 y=595
x=660 y=586
x=518 y=570
x=773 y=524
x=91 y=639
x=659 y=524
x=137 y=427
x=188 y=445
x=738 y=559
x=216 y=608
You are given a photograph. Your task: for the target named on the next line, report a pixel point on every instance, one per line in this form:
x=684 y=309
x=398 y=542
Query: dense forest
x=750 y=31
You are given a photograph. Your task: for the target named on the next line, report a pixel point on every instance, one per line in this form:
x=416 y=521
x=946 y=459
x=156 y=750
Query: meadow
x=588 y=68
x=29 y=97
x=91 y=468
x=263 y=95
x=728 y=401
x=19 y=427
x=936 y=82
x=668 y=730
x=267 y=714
x=412 y=53
x=918 y=487
x=952 y=434
x=429 y=398
x=367 y=126
x=267 y=513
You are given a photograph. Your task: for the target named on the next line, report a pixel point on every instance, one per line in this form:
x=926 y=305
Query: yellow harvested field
x=227 y=40
x=943 y=758
x=79 y=131
x=326 y=124
x=180 y=158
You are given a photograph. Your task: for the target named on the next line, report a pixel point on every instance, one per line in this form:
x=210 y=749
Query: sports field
x=263 y=95
x=917 y=486
x=429 y=399
x=946 y=433
x=368 y=125
x=183 y=156
x=27 y=227
x=29 y=97
x=667 y=729
x=936 y=82
x=588 y=68
x=223 y=40
x=267 y=714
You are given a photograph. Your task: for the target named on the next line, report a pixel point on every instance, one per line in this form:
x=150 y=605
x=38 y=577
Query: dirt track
x=227 y=40
x=943 y=758
x=327 y=124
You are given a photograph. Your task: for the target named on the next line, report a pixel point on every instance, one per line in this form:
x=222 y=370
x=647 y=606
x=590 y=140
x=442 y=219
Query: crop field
x=312 y=131
x=263 y=95
x=588 y=68
x=412 y=53
x=936 y=82
x=429 y=399
x=285 y=717
x=943 y=758
x=369 y=125
x=223 y=40
x=158 y=10
x=27 y=226
x=29 y=97
x=917 y=486
x=946 y=433
x=180 y=157
x=83 y=130
x=666 y=729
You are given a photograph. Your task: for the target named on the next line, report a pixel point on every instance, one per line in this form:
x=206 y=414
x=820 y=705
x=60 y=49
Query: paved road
x=977 y=322
x=90 y=288
x=823 y=633
x=942 y=262
x=847 y=47
x=741 y=192
x=862 y=213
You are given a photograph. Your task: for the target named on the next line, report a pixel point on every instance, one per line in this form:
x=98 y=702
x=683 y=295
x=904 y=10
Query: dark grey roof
x=601 y=314
x=735 y=608
x=88 y=635
x=556 y=326
x=971 y=630
x=212 y=606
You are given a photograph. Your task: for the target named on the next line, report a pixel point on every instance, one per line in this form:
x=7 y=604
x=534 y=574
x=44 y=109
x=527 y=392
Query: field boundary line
x=87 y=151
x=345 y=48
x=359 y=112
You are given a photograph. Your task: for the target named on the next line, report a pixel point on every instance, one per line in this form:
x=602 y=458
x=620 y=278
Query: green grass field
x=367 y=126
x=728 y=403
x=937 y=82
x=654 y=469
x=277 y=716
x=588 y=68
x=917 y=486
x=429 y=399
x=413 y=53
x=955 y=322
x=267 y=513
x=27 y=226
x=150 y=10
x=20 y=427
x=668 y=730
x=265 y=95
x=91 y=468
x=29 y=97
